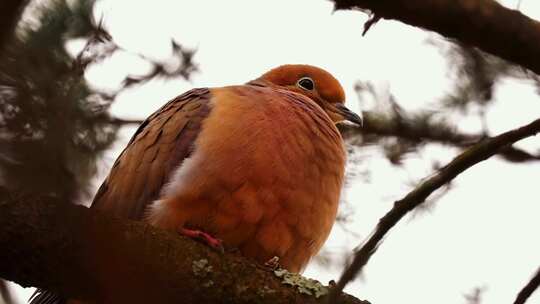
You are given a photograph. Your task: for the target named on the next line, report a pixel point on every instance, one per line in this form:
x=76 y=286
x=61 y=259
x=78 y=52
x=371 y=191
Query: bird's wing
x=159 y=146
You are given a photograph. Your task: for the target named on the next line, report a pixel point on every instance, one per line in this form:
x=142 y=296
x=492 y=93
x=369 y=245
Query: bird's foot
x=273 y=263
x=204 y=237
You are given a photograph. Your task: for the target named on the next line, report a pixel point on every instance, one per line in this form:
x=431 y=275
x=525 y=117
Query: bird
x=258 y=167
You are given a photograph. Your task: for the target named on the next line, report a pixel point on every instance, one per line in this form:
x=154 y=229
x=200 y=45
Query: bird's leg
x=273 y=263
x=204 y=237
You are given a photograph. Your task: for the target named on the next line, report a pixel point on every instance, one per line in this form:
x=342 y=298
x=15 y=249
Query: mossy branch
x=83 y=254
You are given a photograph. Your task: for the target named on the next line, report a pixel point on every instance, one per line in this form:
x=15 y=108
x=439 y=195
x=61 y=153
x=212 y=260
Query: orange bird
x=259 y=166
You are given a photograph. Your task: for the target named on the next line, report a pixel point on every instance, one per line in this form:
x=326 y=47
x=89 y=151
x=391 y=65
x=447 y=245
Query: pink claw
x=204 y=237
x=273 y=263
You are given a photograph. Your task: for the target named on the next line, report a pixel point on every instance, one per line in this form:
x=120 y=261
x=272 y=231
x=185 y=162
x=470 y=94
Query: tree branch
x=378 y=125
x=528 y=290
x=484 y=24
x=81 y=253
x=413 y=199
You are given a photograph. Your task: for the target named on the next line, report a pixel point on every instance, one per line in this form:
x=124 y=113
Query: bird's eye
x=306 y=83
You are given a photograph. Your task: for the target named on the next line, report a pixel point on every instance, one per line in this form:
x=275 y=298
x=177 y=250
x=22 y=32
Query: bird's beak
x=348 y=115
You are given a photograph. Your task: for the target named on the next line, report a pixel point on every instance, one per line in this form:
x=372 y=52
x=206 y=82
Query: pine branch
x=485 y=24
x=475 y=154
x=84 y=254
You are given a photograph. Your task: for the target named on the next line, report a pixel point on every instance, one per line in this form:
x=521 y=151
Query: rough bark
x=484 y=24
x=84 y=254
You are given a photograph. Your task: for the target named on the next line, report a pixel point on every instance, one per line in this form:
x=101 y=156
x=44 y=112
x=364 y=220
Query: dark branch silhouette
x=475 y=154
x=485 y=24
x=528 y=290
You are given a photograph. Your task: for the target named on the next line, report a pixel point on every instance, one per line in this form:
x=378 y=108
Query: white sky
x=483 y=232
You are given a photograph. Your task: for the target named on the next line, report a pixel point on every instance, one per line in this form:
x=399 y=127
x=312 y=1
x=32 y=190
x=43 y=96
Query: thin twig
x=371 y=21
x=462 y=162
x=527 y=291
x=123 y=121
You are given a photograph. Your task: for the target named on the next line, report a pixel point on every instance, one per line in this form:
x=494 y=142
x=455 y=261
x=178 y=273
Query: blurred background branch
x=477 y=75
x=418 y=131
x=475 y=296
x=47 y=105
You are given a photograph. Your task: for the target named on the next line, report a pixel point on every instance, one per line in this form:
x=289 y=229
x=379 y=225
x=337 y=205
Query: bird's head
x=316 y=84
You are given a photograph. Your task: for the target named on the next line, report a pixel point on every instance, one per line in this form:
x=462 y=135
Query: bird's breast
x=272 y=138
x=265 y=174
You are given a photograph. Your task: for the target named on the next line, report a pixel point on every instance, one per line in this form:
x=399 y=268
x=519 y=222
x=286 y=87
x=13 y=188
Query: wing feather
x=157 y=148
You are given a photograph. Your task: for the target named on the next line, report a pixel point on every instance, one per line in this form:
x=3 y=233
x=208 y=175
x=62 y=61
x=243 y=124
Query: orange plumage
x=259 y=166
